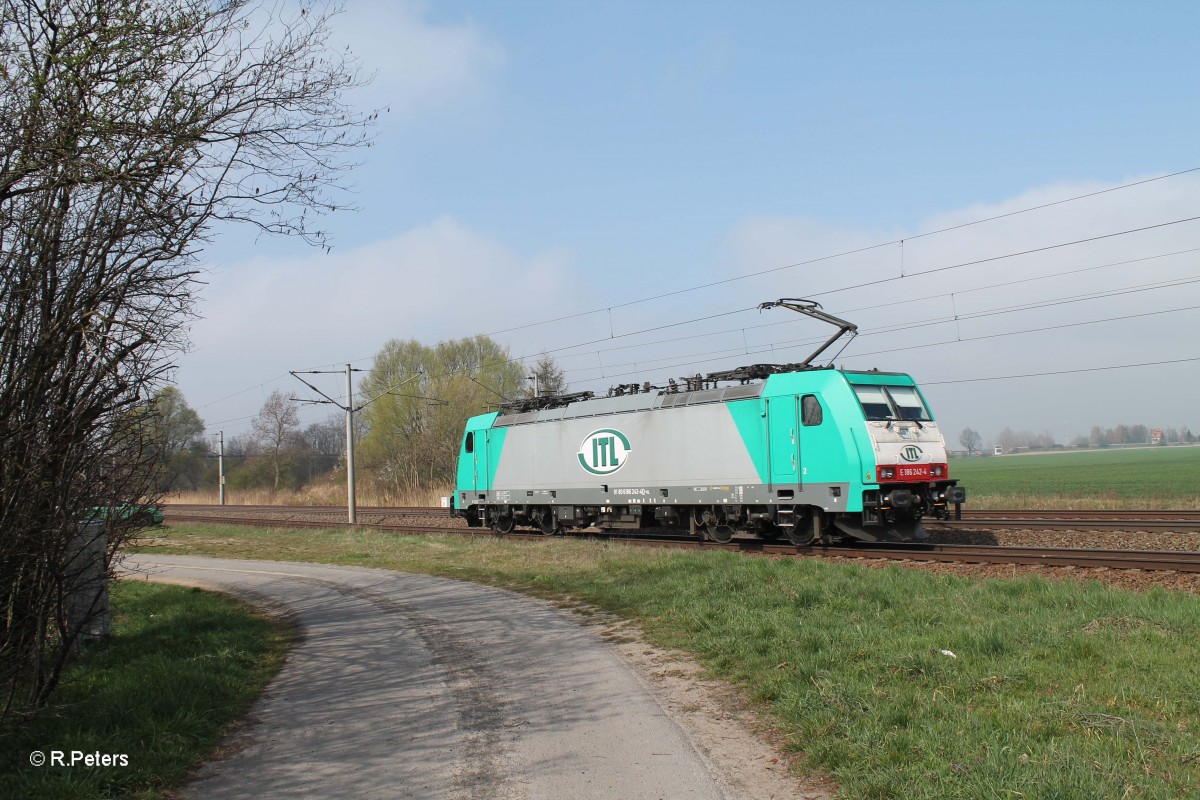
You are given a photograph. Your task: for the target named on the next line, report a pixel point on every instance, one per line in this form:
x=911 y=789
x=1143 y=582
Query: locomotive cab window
x=469 y=442
x=810 y=410
x=892 y=402
x=874 y=402
x=908 y=403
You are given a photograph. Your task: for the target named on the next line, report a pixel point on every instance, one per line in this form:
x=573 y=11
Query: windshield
x=908 y=403
x=892 y=402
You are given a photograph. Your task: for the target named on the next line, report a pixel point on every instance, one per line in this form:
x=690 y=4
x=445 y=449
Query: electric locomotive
x=796 y=451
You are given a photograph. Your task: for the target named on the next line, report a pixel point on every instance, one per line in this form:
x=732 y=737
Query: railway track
x=1186 y=515
x=333 y=511
x=1073 y=523
x=286 y=521
x=1063 y=519
x=1086 y=558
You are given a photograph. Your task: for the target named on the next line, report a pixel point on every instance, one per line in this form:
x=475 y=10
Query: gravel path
x=417 y=687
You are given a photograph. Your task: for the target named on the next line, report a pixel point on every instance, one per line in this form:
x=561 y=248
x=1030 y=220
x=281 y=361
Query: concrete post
x=351 y=504
x=221 y=465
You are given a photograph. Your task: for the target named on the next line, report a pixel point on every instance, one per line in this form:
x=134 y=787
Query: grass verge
x=181 y=666
x=1054 y=689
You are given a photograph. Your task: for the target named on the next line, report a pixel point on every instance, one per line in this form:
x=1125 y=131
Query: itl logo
x=911 y=453
x=604 y=452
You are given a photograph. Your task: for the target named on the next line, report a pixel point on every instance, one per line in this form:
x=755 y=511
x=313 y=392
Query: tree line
x=1010 y=440
x=415 y=402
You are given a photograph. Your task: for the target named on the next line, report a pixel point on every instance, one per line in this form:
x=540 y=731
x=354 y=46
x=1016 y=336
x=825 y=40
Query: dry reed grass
x=313 y=495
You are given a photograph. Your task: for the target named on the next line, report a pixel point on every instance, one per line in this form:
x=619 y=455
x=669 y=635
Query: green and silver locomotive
x=792 y=451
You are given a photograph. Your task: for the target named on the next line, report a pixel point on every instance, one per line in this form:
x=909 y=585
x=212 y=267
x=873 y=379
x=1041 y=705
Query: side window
x=469 y=444
x=810 y=410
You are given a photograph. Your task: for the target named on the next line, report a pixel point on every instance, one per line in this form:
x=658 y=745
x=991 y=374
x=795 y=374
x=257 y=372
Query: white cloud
x=435 y=282
x=443 y=280
x=418 y=63
x=1064 y=405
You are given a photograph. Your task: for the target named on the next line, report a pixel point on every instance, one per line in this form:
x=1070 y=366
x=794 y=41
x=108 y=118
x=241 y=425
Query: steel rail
x=1048 y=520
x=1065 y=524
x=1085 y=558
x=990 y=516
x=1081 y=513
x=191 y=508
x=284 y=522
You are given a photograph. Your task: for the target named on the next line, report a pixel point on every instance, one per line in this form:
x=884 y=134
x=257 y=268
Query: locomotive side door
x=476 y=445
x=783 y=438
x=482 y=482
x=469 y=456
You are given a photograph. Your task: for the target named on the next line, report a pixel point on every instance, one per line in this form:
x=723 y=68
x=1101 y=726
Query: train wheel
x=503 y=524
x=808 y=531
x=721 y=534
x=547 y=523
x=802 y=534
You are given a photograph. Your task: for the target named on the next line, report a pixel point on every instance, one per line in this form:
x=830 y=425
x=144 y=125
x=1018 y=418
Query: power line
x=866 y=284
x=789 y=344
x=1031 y=330
x=873 y=283
x=794 y=343
x=1063 y=372
x=1000 y=258
x=725 y=353
x=261 y=385
x=856 y=251
x=821 y=259
x=718 y=355
x=793 y=321
x=853 y=252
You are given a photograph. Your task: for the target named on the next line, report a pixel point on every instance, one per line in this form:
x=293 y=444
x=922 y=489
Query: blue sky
x=542 y=159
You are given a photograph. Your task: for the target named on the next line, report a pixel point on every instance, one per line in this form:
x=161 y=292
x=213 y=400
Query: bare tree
x=324 y=444
x=970 y=439
x=276 y=430
x=128 y=129
x=547 y=378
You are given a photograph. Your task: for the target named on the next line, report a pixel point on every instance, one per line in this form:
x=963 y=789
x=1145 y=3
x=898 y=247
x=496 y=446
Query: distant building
x=999 y=450
x=1156 y=436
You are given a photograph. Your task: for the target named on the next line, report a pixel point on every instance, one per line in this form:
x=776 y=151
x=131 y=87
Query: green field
x=1152 y=477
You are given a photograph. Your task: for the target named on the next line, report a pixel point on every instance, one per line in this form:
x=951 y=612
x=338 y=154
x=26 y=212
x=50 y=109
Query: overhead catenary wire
x=1064 y=371
x=947 y=268
x=608 y=308
x=905 y=274
x=794 y=321
x=719 y=355
x=855 y=251
x=591 y=342
x=787 y=344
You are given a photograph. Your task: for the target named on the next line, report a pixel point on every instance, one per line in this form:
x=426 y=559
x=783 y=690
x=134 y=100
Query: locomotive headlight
x=937 y=471
x=887 y=473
